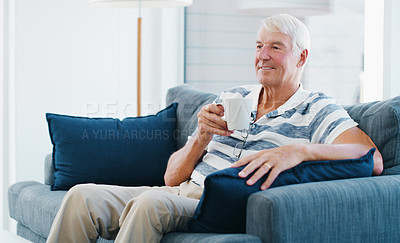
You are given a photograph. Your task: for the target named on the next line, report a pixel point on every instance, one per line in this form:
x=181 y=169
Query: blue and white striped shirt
x=307 y=117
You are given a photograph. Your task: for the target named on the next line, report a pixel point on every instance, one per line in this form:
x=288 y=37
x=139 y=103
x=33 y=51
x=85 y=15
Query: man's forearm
x=340 y=151
x=182 y=163
x=333 y=151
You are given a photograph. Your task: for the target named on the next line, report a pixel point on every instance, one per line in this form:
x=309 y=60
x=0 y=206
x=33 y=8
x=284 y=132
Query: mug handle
x=221 y=102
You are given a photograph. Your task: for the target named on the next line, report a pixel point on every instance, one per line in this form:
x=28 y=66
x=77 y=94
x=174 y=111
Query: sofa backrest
x=190 y=101
x=380 y=120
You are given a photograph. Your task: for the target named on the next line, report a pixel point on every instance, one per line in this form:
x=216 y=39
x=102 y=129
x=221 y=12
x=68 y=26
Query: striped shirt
x=307 y=117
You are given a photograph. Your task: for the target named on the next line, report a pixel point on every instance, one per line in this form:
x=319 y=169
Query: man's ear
x=303 y=58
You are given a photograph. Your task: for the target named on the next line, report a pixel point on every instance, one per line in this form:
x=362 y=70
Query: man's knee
x=151 y=208
x=150 y=204
x=152 y=199
x=164 y=211
x=82 y=194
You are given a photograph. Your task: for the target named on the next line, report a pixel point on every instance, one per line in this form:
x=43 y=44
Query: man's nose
x=263 y=54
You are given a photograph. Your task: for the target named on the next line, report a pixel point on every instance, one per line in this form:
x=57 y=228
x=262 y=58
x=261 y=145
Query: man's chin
x=267 y=81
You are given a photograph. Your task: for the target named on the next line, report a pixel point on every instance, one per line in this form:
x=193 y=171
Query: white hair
x=291 y=26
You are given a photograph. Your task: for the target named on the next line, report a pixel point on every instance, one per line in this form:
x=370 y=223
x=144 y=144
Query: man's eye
x=275 y=47
x=259 y=46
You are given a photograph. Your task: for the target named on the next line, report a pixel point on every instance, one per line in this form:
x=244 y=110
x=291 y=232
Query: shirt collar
x=295 y=100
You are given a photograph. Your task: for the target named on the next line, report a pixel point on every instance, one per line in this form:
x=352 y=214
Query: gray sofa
x=352 y=210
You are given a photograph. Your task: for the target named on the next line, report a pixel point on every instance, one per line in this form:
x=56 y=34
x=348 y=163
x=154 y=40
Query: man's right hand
x=182 y=163
x=210 y=122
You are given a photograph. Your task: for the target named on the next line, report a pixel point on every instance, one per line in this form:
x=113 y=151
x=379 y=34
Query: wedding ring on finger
x=269 y=166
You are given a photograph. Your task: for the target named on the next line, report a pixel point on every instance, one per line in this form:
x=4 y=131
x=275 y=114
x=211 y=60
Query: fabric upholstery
x=381 y=121
x=28 y=234
x=48 y=170
x=176 y=237
x=222 y=207
x=34 y=205
x=131 y=152
x=189 y=101
x=354 y=210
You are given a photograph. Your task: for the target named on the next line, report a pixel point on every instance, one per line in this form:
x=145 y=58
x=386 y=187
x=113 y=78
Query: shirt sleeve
x=330 y=121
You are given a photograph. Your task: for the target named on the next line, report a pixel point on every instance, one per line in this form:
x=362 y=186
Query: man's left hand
x=274 y=160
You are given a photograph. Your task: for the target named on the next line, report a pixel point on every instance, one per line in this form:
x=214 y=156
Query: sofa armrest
x=48 y=170
x=353 y=210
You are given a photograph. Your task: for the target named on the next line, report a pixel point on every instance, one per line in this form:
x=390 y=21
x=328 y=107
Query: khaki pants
x=126 y=214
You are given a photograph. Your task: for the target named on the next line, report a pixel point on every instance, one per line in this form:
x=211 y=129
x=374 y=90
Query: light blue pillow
x=222 y=207
x=131 y=152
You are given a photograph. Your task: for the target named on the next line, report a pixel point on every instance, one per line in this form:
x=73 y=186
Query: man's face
x=275 y=63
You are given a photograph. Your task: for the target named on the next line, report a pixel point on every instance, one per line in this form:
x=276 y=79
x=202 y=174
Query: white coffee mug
x=237 y=112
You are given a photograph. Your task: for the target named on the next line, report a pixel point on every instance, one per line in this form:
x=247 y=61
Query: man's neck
x=271 y=99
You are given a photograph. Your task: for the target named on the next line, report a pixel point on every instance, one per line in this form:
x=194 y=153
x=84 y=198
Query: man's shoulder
x=316 y=97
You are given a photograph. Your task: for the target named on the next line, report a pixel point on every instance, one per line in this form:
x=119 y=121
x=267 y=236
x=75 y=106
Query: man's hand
x=274 y=160
x=351 y=144
x=210 y=122
x=182 y=163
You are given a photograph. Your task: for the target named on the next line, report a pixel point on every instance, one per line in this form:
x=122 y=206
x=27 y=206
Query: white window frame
x=372 y=86
x=381 y=75
x=391 y=49
x=7 y=109
x=1 y=109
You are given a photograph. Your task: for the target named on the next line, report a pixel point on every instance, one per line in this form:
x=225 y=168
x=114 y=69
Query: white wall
x=2 y=191
x=220 y=48
x=66 y=54
x=71 y=58
x=337 y=47
x=219 y=45
x=74 y=59
x=7 y=108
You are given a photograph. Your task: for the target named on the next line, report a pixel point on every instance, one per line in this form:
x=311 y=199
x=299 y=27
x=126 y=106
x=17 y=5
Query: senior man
x=289 y=125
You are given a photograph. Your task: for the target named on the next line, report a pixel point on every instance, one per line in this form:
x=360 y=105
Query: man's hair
x=291 y=26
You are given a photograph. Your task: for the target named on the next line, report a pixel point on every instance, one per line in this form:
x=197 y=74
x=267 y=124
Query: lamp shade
x=144 y=3
x=298 y=8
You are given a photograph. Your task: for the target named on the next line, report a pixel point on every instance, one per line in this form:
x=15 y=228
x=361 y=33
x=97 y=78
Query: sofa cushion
x=222 y=207
x=381 y=121
x=28 y=234
x=131 y=152
x=33 y=205
x=190 y=101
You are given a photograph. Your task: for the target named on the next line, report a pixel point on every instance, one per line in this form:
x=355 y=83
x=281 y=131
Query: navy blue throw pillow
x=222 y=207
x=129 y=152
